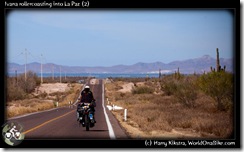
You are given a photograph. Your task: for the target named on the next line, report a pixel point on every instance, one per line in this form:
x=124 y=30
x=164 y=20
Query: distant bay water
x=96 y=75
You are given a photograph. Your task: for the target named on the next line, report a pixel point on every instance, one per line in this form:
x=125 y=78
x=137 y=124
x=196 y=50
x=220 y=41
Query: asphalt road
x=61 y=123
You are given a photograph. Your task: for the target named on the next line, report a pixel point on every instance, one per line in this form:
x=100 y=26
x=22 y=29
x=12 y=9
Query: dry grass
x=42 y=102
x=21 y=107
x=163 y=116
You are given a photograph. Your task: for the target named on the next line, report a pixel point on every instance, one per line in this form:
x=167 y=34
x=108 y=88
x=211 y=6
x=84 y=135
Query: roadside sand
x=52 y=87
x=127 y=87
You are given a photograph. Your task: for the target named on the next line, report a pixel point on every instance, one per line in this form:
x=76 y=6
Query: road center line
x=110 y=128
x=32 y=129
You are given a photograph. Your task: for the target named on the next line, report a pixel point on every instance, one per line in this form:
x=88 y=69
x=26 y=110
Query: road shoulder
x=119 y=131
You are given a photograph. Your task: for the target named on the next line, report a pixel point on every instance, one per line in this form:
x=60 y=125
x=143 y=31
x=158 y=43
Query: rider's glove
x=93 y=103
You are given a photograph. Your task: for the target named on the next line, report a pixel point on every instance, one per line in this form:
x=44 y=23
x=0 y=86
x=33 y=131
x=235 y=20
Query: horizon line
x=115 y=64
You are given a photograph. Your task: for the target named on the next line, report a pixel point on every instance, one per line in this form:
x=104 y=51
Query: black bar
x=126 y=4
x=130 y=143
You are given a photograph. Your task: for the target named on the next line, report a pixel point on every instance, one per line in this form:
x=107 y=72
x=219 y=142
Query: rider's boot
x=94 y=118
x=78 y=116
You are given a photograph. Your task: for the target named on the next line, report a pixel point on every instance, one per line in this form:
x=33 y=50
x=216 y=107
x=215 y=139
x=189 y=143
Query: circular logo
x=11 y=133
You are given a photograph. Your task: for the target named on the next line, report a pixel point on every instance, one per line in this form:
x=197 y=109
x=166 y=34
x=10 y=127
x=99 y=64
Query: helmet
x=87 y=87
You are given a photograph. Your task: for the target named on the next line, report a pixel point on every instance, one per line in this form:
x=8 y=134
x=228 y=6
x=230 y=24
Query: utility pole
x=52 y=71
x=25 y=54
x=25 y=62
x=60 y=73
x=41 y=70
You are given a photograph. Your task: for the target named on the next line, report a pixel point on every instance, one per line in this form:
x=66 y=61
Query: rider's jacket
x=86 y=97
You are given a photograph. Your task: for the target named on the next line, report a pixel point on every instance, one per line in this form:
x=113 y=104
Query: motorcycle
x=86 y=119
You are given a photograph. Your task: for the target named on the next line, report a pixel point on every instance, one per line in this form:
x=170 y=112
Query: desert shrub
x=154 y=112
x=122 y=95
x=142 y=90
x=14 y=93
x=30 y=83
x=169 y=85
x=169 y=88
x=186 y=92
x=219 y=86
x=124 y=79
x=17 y=88
x=59 y=96
x=183 y=88
x=43 y=95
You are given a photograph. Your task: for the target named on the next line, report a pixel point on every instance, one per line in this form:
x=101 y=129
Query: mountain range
x=197 y=65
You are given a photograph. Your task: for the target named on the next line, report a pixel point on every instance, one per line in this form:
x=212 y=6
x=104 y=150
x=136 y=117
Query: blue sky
x=106 y=38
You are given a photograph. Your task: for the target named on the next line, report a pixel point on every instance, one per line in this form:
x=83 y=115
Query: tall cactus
x=218 y=67
x=217 y=61
x=159 y=73
x=178 y=73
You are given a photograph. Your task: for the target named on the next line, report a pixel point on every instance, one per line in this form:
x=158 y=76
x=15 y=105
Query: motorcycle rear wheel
x=87 y=123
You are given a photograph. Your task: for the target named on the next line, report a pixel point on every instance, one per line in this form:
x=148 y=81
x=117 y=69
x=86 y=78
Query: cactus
x=217 y=61
x=212 y=69
x=177 y=74
x=218 y=66
x=159 y=73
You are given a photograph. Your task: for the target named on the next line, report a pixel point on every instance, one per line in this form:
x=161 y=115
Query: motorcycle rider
x=87 y=97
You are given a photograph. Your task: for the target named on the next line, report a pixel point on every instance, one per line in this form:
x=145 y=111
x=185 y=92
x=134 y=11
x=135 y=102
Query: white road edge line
x=110 y=128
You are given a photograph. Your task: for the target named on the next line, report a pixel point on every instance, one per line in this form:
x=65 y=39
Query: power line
x=34 y=57
x=15 y=57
